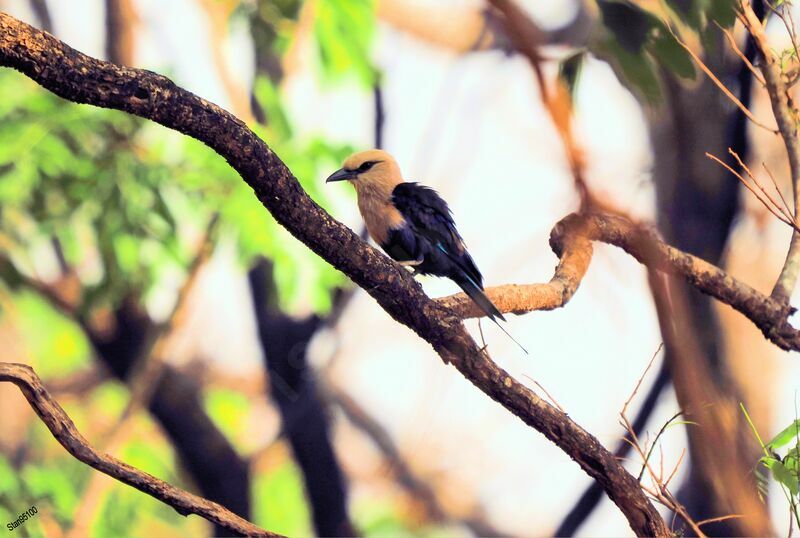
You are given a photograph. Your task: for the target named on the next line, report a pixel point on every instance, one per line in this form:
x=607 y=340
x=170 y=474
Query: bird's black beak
x=340 y=175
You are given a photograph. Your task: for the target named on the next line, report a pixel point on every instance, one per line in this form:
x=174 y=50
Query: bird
x=413 y=225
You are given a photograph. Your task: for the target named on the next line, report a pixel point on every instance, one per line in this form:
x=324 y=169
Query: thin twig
x=718 y=519
x=641 y=378
x=719 y=83
x=775 y=184
x=770 y=204
x=735 y=48
x=675 y=469
x=784 y=208
x=655 y=441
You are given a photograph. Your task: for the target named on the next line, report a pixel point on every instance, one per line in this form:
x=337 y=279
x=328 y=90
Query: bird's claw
x=413 y=264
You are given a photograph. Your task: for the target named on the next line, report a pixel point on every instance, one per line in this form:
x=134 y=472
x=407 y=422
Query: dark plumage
x=429 y=234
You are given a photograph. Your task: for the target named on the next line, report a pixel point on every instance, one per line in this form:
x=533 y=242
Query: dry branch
x=570 y=240
x=527 y=38
x=65 y=432
x=786 y=117
x=83 y=79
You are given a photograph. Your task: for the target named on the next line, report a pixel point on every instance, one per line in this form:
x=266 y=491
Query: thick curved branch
x=570 y=239
x=65 y=432
x=576 y=254
x=83 y=79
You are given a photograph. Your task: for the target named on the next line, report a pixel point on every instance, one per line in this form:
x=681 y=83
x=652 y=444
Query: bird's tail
x=475 y=293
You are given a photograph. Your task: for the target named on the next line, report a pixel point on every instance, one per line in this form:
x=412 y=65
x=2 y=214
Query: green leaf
x=637 y=69
x=723 y=12
x=789 y=434
x=629 y=24
x=689 y=11
x=681 y=423
x=785 y=477
x=792 y=460
x=669 y=53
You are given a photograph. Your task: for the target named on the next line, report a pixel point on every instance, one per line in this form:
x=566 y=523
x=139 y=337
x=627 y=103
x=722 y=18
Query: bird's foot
x=411 y=263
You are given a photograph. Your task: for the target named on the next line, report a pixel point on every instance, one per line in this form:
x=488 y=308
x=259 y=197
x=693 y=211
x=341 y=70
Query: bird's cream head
x=373 y=173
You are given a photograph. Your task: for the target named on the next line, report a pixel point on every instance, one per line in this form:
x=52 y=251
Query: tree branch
x=82 y=79
x=65 y=432
x=786 y=117
x=570 y=240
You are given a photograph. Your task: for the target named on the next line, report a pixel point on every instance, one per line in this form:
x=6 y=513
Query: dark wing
x=431 y=221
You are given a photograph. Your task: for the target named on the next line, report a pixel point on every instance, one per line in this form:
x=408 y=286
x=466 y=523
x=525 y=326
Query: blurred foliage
x=272 y=26
x=343 y=34
x=387 y=516
x=82 y=175
x=229 y=410
x=53 y=487
x=55 y=346
x=15 y=498
x=638 y=38
x=125 y=197
x=344 y=30
x=280 y=500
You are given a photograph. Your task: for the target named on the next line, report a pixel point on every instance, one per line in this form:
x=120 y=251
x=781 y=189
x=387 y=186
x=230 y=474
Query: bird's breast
x=380 y=217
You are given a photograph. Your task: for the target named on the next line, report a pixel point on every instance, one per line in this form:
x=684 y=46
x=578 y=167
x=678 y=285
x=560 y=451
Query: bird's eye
x=366 y=166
